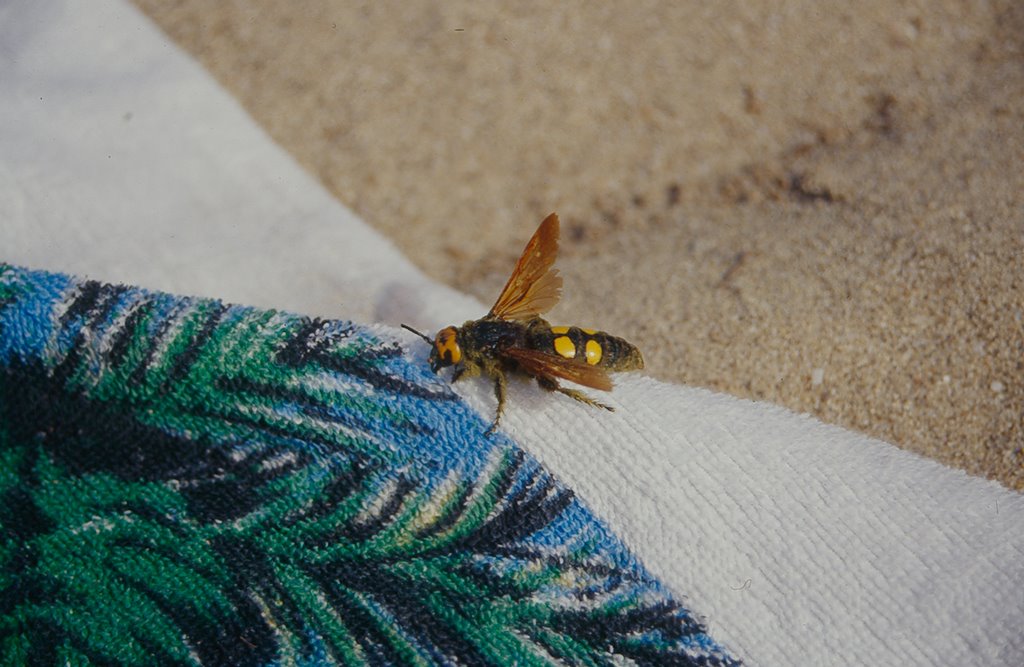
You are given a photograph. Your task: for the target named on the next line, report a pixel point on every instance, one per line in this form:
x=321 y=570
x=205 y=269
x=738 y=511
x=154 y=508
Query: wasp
x=513 y=338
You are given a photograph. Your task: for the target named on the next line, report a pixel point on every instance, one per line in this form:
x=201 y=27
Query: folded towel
x=185 y=480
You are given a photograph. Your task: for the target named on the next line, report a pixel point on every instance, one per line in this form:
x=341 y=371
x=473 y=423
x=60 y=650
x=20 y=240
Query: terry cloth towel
x=183 y=481
x=797 y=543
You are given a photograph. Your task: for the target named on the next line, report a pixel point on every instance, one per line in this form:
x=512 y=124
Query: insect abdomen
x=596 y=348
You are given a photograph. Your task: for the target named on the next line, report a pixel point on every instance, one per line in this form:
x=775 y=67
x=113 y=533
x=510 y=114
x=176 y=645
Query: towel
x=189 y=481
x=788 y=541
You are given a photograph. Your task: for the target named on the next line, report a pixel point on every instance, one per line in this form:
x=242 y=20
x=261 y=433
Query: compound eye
x=447 y=346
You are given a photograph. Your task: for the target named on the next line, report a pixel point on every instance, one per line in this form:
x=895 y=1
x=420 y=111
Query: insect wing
x=543 y=364
x=534 y=286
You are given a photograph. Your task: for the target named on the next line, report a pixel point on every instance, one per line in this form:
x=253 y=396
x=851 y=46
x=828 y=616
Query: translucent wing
x=543 y=364
x=534 y=286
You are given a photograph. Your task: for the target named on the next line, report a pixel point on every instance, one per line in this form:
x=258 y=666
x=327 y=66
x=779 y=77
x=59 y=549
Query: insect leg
x=500 y=390
x=551 y=384
x=583 y=398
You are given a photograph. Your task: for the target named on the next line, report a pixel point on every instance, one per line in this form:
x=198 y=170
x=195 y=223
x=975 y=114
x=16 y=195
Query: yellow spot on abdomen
x=559 y=330
x=564 y=347
x=594 y=352
x=589 y=332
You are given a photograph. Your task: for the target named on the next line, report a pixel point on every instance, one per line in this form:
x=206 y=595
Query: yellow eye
x=447 y=347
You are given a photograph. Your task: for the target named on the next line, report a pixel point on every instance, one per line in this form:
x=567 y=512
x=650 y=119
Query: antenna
x=423 y=336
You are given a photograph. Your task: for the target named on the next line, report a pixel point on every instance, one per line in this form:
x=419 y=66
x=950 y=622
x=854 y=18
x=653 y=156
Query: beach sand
x=800 y=202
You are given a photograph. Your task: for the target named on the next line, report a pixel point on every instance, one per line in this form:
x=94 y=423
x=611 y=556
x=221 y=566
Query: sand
x=804 y=202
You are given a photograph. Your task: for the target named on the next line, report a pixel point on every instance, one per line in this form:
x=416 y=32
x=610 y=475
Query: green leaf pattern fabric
x=187 y=482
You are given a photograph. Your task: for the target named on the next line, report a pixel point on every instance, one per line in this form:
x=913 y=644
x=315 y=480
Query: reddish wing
x=534 y=286
x=542 y=364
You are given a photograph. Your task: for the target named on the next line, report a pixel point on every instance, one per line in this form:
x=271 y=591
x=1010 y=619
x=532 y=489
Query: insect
x=513 y=338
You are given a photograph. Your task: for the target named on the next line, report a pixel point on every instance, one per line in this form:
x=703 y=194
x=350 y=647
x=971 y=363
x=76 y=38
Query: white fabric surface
x=123 y=160
x=800 y=543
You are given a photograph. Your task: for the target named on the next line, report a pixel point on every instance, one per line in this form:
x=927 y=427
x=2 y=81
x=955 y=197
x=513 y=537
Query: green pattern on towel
x=187 y=482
